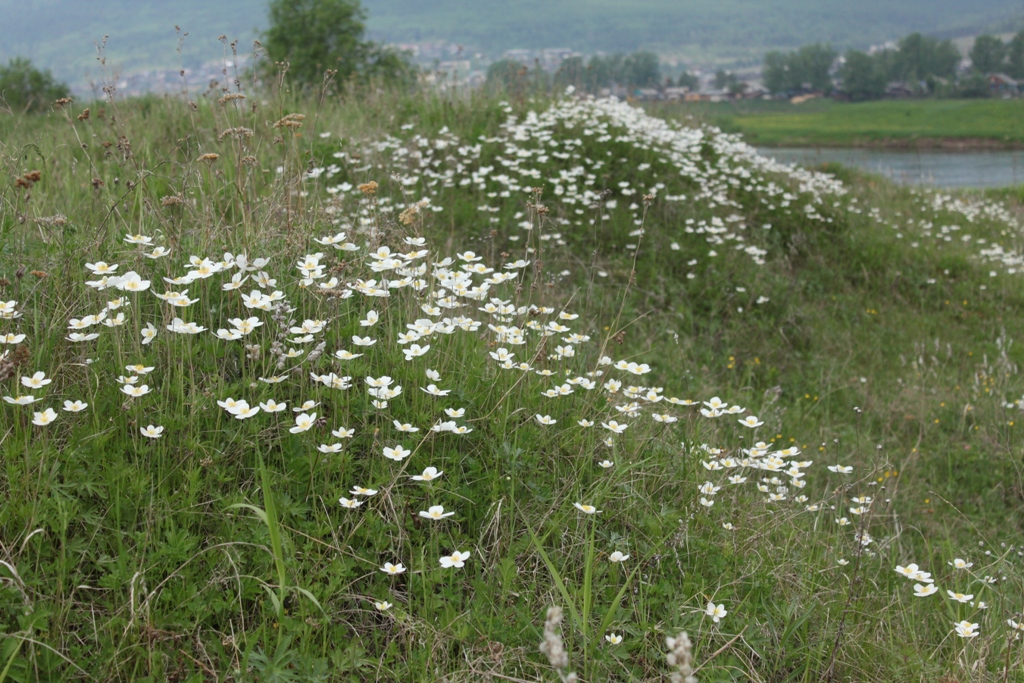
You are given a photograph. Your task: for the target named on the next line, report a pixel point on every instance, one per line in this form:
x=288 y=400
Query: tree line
x=922 y=64
x=641 y=69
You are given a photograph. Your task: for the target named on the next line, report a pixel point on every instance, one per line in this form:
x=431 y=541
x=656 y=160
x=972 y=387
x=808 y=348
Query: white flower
x=152 y=432
x=350 y=504
x=616 y=556
x=960 y=597
x=613 y=638
x=398 y=454
x=961 y=564
x=363 y=491
x=148 y=334
x=545 y=419
x=586 y=509
x=456 y=559
x=363 y=341
x=393 y=569
x=36 y=381
x=750 y=421
x=429 y=474
x=924 y=590
x=606 y=463
x=342 y=433
x=840 y=469
x=614 y=426
x=383 y=606
x=434 y=391
x=272 y=406
x=44 y=418
x=435 y=512
x=716 y=612
x=135 y=391
x=20 y=400
x=303 y=422
x=966 y=629
x=75 y=406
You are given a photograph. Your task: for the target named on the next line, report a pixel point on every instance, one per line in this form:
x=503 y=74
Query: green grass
x=219 y=551
x=897 y=123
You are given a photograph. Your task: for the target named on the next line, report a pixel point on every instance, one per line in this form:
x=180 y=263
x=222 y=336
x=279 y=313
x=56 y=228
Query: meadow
x=357 y=388
x=967 y=124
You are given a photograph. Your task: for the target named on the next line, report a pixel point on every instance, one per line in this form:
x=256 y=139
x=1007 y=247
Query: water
x=935 y=169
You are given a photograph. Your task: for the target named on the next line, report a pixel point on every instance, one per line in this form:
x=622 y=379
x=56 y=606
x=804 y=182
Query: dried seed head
x=680 y=657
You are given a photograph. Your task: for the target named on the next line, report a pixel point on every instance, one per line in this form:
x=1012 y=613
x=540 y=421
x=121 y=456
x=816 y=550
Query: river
x=934 y=169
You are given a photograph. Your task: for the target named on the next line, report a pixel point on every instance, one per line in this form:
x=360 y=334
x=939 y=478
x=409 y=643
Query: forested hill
x=61 y=34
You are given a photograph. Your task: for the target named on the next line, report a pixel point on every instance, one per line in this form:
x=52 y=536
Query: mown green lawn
x=829 y=123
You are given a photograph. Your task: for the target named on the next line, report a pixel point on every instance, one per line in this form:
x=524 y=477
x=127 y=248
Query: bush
x=25 y=88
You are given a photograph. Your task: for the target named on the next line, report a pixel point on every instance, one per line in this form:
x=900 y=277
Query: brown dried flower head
x=290 y=121
x=369 y=189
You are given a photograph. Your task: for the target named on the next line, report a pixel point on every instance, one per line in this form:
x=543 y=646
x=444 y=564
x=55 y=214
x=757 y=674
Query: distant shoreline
x=905 y=144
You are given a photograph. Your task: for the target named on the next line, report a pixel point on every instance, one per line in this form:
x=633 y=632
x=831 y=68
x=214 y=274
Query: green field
x=887 y=123
x=871 y=335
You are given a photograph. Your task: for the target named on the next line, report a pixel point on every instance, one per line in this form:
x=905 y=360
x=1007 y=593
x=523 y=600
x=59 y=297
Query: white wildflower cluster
x=565 y=150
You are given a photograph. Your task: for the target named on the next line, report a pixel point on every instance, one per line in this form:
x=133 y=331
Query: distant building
x=521 y=56
x=1003 y=84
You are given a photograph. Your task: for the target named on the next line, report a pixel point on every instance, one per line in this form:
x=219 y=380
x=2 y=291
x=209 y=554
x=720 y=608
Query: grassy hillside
x=496 y=255
x=61 y=34
x=894 y=123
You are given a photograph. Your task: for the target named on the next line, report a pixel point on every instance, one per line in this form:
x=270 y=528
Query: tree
x=776 y=72
x=572 y=71
x=988 y=54
x=641 y=70
x=1015 y=56
x=922 y=56
x=814 y=64
x=688 y=80
x=864 y=77
x=515 y=78
x=724 y=79
x=313 y=36
x=975 y=85
x=25 y=88
x=807 y=68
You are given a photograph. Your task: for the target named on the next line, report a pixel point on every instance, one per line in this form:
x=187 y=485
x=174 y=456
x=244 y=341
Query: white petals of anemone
x=398 y=454
x=44 y=418
x=152 y=432
x=303 y=422
x=429 y=474
x=435 y=512
x=716 y=612
x=456 y=559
